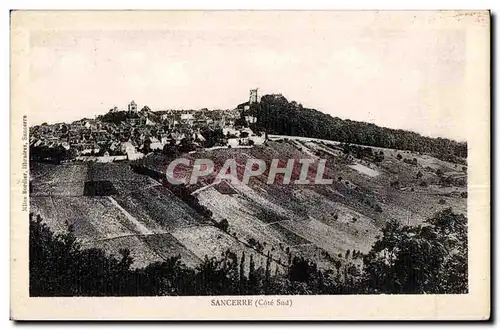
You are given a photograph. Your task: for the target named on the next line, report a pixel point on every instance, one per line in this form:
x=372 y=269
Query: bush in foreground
x=430 y=258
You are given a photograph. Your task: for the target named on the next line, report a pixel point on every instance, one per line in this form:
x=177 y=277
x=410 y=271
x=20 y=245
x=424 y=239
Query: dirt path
x=141 y=229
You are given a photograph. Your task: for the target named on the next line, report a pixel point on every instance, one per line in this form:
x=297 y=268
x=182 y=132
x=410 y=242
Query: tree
x=212 y=137
x=146 y=149
x=223 y=225
x=267 y=279
x=241 y=121
x=301 y=270
x=253 y=280
x=210 y=276
x=242 y=274
x=430 y=258
x=186 y=145
x=116 y=117
x=171 y=149
x=58 y=266
x=276 y=115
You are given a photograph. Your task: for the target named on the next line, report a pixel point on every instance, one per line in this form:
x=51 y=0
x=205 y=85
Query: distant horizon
x=93 y=117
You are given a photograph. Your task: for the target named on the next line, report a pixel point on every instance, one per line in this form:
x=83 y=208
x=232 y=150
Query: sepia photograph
x=241 y=161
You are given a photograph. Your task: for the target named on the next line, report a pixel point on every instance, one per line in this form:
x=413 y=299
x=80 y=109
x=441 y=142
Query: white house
x=128 y=147
x=230 y=131
x=251 y=119
x=155 y=144
x=149 y=122
x=187 y=116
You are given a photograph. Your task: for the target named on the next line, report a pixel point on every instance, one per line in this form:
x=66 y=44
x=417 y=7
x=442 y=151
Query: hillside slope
x=279 y=116
x=324 y=222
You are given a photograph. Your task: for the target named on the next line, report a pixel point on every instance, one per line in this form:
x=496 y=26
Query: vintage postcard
x=250 y=165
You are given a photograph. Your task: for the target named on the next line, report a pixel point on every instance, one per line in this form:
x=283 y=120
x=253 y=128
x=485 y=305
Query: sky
x=401 y=75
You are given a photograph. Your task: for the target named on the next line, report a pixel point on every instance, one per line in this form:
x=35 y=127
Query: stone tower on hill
x=132 y=107
x=253 y=96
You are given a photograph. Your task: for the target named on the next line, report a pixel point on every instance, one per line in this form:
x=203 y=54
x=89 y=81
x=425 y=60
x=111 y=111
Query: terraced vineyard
x=320 y=222
x=143 y=216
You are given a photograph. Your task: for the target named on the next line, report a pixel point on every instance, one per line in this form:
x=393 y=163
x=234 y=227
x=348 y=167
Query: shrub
x=430 y=258
x=222 y=225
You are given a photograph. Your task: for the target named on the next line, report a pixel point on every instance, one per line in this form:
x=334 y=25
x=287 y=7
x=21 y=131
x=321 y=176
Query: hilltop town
x=129 y=134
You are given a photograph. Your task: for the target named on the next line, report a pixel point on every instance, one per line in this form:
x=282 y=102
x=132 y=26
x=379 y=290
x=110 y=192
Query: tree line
x=278 y=116
x=53 y=155
x=429 y=258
